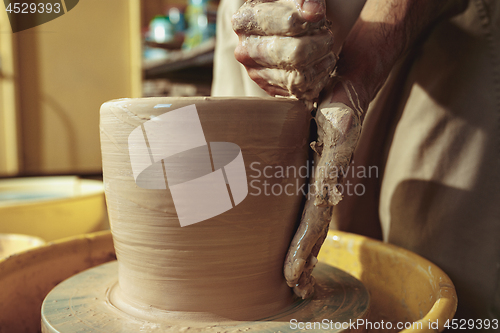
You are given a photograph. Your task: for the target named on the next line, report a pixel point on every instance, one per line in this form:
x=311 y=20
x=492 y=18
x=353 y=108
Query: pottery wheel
x=83 y=303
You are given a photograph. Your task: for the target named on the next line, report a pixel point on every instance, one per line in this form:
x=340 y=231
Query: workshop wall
x=65 y=70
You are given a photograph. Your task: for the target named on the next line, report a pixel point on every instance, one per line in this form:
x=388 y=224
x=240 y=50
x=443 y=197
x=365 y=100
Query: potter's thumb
x=312 y=10
x=293 y=270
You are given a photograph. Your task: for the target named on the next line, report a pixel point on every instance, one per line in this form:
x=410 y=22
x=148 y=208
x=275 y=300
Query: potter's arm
x=384 y=31
x=339 y=128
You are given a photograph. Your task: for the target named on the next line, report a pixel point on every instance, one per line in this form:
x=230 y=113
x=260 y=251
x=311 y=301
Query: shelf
x=200 y=56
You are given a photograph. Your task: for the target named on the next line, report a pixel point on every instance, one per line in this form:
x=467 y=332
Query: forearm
x=384 y=32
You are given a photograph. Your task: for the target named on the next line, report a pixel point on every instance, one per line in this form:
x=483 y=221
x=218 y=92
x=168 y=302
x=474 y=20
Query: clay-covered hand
x=339 y=128
x=285 y=46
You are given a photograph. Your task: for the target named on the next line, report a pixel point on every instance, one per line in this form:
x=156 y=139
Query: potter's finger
x=266 y=85
x=242 y=54
x=305 y=286
x=312 y=10
x=317 y=247
x=286 y=52
x=254 y=72
x=281 y=17
x=311 y=228
x=303 y=83
x=312 y=259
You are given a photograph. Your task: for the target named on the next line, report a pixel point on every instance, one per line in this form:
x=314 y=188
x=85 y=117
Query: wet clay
x=84 y=302
x=339 y=128
x=230 y=265
x=289 y=22
x=296 y=58
x=295 y=55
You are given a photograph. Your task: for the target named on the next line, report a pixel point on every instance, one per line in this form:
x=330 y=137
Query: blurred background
x=54 y=77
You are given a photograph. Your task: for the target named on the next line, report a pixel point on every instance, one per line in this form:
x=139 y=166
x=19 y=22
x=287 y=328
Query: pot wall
x=230 y=264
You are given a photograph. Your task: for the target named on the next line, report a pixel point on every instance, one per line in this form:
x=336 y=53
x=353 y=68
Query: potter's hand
x=285 y=46
x=339 y=127
x=383 y=33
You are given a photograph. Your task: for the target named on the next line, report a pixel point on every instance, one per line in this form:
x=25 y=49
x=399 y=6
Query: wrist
x=385 y=30
x=350 y=93
x=366 y=59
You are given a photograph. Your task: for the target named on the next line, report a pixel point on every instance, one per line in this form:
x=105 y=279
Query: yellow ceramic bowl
x=13 y=243
x=51 y=207
x=25 y=279
x=403 y=286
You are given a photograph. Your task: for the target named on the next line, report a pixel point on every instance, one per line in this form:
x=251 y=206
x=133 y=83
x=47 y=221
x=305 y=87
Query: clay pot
x=227 y=259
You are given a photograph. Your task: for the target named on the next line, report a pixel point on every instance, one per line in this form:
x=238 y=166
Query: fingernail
x=313 y=10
